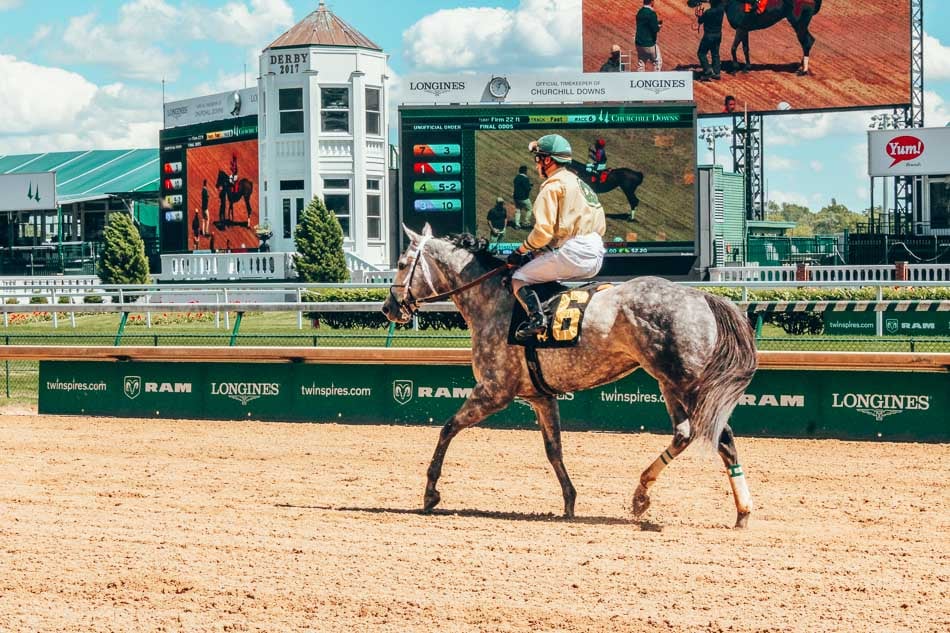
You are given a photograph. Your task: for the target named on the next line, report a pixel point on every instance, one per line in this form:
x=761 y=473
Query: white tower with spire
x=323 y=132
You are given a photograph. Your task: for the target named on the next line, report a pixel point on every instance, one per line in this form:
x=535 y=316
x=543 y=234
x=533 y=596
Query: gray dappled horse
x=700 y=348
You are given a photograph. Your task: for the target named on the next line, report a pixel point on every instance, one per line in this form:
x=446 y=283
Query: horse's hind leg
x=805 y=38
x=549 y=419
x=481 y=404
x=740 y=489
x=681 y=439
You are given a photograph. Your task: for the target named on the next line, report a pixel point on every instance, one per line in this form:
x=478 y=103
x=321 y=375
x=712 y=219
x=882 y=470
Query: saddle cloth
x=564 y=308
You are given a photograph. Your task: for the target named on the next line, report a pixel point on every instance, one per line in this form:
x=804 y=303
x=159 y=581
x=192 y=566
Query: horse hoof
x=432 y=499
x=641 y=501
x=742 y=520
x=802 y=73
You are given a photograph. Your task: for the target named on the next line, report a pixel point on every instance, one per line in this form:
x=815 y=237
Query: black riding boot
x=536 y=322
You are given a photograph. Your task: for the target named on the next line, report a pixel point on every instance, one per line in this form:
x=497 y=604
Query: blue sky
x=87 y=74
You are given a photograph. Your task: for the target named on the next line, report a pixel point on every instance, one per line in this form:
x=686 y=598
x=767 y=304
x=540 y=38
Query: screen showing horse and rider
x=469 y=170
x=223 y=207
x=770 y=55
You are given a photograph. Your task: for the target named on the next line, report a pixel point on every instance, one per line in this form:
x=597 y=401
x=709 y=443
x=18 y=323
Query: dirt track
x=130 y=525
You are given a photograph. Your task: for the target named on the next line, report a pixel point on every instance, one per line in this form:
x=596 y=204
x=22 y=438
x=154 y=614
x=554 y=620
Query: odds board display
x=457 y=162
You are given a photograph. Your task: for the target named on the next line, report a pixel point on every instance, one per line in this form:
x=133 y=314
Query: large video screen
x=210 y=187
x=457 y=162
x=859 y=52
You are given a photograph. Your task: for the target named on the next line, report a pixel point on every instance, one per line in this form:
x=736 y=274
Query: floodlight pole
x=906 y=202
x=747 y=150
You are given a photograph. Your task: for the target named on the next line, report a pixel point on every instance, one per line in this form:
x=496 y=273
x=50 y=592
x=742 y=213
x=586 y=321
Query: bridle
x=411 y=303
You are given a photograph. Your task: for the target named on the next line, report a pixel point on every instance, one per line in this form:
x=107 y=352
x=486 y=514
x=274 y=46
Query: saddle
x=564 y=308
x=599 y=177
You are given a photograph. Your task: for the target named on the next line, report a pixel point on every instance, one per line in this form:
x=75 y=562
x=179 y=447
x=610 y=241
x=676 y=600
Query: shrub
x=37 y=299
x=123 y=253
x=319 y=241
x=92 y=299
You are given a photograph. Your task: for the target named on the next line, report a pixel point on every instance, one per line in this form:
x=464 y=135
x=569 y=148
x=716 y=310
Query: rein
x=474 y=282
x=412 y=303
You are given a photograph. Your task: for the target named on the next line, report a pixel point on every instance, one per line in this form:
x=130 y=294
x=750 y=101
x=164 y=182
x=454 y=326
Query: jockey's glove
x=517 y=259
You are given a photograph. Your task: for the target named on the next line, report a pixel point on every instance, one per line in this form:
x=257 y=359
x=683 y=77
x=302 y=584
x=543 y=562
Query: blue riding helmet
x=553 y=145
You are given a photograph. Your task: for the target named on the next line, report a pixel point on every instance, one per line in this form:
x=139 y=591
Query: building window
x=374 y=210
x=291 y=185
x=335 y=109
x=291 y=110
x=373 y=110
x=288 y=224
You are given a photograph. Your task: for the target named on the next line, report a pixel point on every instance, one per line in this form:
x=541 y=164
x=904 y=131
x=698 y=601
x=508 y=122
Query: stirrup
x=536 y=324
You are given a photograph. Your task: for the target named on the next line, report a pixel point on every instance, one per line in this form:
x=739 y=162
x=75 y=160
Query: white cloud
x=40 y=34
x=793 y=129
x=9 y=4
x=50 y=109
x=779 y=163
x=936 y=112
x=816 y=165
x=936 y=59
x=790 y=197
x=149 y=37
x=39 y=98
x=539 y=34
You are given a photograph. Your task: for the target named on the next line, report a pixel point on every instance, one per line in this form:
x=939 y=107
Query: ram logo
x=891 y=326
x=132 y=386
x=402 y=391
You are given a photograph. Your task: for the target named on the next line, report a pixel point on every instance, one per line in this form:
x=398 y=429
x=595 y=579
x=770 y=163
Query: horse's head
x=414 y=278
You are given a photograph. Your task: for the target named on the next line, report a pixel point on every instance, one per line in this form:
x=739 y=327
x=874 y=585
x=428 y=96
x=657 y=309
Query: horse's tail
x=728 y=372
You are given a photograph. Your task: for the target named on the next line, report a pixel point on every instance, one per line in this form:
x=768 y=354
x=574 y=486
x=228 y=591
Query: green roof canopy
x=93 y=174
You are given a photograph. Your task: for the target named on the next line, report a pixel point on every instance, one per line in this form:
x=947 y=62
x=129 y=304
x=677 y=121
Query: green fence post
x=758 y=327
x=118 y=335
x=389 y=335
x=237 y=326
x=8 y=371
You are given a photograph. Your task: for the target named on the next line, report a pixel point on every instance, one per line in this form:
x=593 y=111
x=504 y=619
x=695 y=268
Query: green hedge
x=793 y=323
x=347 y=320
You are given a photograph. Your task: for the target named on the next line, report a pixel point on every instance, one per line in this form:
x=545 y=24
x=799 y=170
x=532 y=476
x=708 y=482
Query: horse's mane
x=477 y=246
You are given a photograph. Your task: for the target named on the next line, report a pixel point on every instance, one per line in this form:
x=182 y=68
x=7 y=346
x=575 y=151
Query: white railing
x=227 y=267
x=850 y=273
x=914 y=272
x=753 y=273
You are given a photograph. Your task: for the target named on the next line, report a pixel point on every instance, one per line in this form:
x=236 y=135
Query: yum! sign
x=910 y=152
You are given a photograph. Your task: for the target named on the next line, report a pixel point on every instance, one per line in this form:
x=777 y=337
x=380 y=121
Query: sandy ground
x=131 y=525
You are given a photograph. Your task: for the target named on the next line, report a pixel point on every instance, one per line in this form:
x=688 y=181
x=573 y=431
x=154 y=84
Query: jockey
x=598 y=157
x=569 y=219
x=234 y=172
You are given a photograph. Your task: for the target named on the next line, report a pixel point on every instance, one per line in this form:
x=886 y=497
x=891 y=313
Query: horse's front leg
x=549 y=419
x=745 y=51
x=735 y=53
x=484 y=401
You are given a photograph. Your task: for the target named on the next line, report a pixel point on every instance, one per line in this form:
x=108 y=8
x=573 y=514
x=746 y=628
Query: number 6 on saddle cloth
x=564 y=308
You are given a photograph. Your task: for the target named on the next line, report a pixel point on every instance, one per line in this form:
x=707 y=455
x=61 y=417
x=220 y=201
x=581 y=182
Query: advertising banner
x=560 y=88
x=808 y=404
x=903 y=324
x=858 y=53
x=216 y=107
x=28 y=192
x=910 y=152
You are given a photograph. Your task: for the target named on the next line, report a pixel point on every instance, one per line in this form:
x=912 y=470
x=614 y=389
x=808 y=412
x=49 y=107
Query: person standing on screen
x=612 y=65
x=497 y=220
x=648 y=28
x=711 y=23
x=522 y=198
x=569 y=226
x=729 y=105
x=196 y=229
x=204 y=205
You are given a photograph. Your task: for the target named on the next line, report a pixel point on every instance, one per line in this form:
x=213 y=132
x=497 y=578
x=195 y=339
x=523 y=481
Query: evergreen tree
x=319 y=240
x=123 y=253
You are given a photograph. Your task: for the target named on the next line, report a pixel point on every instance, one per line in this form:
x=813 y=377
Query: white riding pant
x=578 y=258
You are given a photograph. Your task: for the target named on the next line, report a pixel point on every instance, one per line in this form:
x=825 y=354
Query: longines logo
x=436 y=88
x=244 y=392
x=177 y=113
x=657 y=86
x=879 y=405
